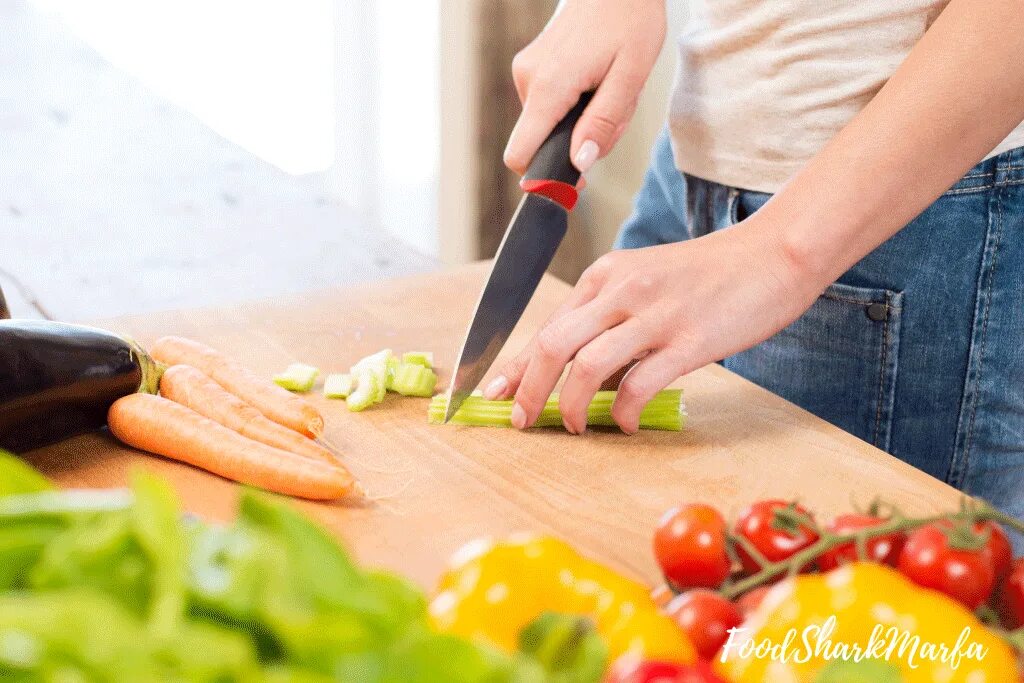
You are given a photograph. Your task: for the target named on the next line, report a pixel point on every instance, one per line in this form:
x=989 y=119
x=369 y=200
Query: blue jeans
x=919 y=348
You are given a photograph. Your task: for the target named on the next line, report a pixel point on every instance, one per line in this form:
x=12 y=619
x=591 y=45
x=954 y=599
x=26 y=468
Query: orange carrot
x=277 y=404
x=161 y=426
x=188 y=386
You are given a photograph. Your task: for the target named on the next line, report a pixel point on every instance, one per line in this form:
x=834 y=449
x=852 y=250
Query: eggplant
x=58 y=380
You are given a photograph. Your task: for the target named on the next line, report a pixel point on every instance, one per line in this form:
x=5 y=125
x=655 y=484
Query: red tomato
x=705 y=617
x=964 y=575
x=629 y=670
x=884 y=549
x=1011 y=600
x=999 y=547
x=690 y=546
x=751 y=600
x=756 y=524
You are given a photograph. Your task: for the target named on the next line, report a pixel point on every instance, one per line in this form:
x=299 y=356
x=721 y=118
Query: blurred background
x=159 y=155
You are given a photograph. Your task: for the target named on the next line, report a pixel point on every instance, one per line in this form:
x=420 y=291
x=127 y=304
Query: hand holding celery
x=665 y=411
x=371 y=377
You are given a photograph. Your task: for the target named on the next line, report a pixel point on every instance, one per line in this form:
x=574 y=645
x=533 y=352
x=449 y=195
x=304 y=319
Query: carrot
x=161 y=426
x=188 y=386
x=277 y=404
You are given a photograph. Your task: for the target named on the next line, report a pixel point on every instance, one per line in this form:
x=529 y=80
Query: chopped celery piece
x=375 y=361
x=339 y=386
x=424 y=358
x=413 y=379
x=368 y=388
x=297 y=377
x=389 y=372
x=665 y=411
x=379 y=365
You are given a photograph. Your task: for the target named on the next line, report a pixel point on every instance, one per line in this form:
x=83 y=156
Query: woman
x=866 y=158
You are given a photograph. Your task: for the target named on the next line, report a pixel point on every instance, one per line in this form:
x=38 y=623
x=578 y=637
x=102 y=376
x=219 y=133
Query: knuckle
x=549 y=345
x=603 y=266
x=586 y=369
x=513 y=159
x=522 y=64
x=637 y=286
x=634 y=391
x=546 y=85
x=604 y=123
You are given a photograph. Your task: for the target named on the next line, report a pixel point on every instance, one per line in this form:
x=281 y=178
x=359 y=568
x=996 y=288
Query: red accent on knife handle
x=555 y=190
x=551 y=172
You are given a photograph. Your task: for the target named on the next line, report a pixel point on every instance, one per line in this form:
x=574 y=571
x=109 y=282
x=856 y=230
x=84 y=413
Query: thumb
x=607 y=115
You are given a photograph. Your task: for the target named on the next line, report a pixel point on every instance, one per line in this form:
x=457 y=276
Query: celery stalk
x=297 y=377
x=339 y=386
x=665 y=411
x=413 y=379
x=424 y=358
x=368 y=387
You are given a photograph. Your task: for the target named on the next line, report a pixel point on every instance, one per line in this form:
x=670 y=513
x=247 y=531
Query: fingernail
x=586 y=156
x=518 y=416
x=496 y=389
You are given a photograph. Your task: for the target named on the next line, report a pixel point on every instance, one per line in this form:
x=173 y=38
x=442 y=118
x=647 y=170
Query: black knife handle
x=552 y=162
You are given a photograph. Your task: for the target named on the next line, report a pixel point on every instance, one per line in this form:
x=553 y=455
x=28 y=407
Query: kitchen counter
x=434 y=487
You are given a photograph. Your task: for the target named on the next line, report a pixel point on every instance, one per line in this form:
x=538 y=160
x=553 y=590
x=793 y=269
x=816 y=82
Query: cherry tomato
x=964 y=575
x=705 y=617
x=883 y=549
x=690 y=546
x=999 y=547
x=751 y=600
x=629 y=670
x=1011 y=600
x=757 y=525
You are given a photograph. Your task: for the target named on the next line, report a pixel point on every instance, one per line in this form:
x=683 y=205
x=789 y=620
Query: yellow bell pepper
x=493 y=589
x=864 y=598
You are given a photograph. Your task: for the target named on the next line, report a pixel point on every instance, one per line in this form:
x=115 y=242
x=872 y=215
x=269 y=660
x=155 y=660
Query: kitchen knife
x=530 y=242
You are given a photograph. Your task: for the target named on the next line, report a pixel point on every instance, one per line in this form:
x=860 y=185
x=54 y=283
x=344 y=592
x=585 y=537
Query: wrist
x=818 y=231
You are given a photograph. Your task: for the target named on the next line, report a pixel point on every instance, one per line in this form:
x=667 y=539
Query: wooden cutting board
x=441 y=486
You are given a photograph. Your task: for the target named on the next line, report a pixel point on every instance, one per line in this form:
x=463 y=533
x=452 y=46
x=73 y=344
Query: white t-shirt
x=762 y=85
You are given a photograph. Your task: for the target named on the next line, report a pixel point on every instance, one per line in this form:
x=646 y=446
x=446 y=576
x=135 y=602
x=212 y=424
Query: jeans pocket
x=838 y=360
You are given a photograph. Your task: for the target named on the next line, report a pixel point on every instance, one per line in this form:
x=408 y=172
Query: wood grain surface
x=441 y=486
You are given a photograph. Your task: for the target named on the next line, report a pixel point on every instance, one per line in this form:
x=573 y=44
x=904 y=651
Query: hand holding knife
x=531 y=240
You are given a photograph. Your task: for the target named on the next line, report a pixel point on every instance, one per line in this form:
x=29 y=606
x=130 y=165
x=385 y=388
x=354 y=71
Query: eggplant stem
x=152 y=370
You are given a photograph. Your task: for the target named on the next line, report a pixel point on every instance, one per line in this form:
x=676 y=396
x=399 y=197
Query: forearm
x=957 y=95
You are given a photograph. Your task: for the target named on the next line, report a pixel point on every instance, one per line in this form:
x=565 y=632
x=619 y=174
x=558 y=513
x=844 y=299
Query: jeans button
x=878 y=312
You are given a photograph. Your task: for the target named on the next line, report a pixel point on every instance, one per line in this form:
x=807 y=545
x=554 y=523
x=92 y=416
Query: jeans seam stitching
x=859 y=302
x=966 y=460
x=881 y=378
x=967 y=190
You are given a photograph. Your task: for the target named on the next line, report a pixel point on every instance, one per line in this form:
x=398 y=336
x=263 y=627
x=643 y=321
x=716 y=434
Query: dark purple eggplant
x=58 y=380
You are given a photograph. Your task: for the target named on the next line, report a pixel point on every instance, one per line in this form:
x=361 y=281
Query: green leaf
x=100 y=553
x=17 y=476
x=566 y=646
x=864 y=671
x=439 y=657
x=155 y=519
